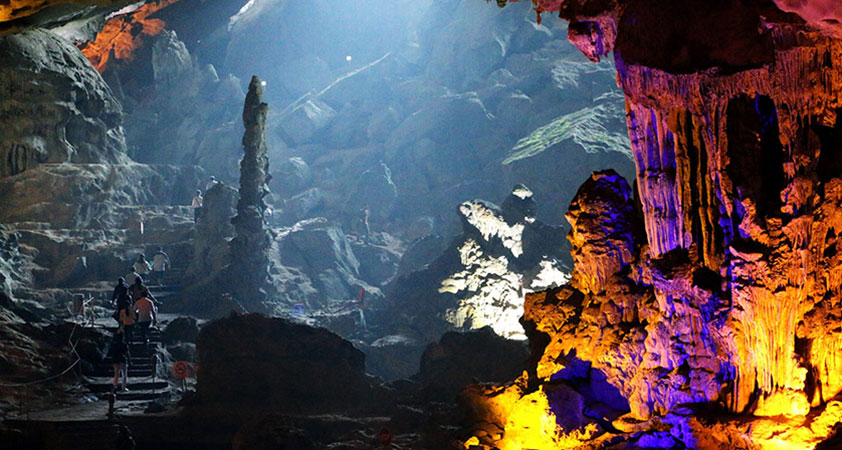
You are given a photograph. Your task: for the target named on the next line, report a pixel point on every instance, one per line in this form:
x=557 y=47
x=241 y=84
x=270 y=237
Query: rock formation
x=29 y=12
x=11 y=264
x=78 y=118
x=459 y=359
x=479 y=280
x=67 y=185
x=213 y=231
x=281 y=366
x=322 y=254
x=249 y=268
x=728 y=298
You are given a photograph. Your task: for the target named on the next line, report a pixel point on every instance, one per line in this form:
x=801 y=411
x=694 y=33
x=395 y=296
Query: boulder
x=183 y=351
x=291 y=177
x=348 y=128
x=320 y=250
x=253 y=363
x=301 y=206
x=78 y=118
x=420 y=252
x=378 y=261
x=393 y=357
x=375 y=190
x=436 y=121
x=459 y=359
x=181 y=329
x=305 y=120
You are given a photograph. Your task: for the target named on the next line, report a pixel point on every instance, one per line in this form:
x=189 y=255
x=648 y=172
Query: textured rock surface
x=213 y=231
x=11 y=262
x=184 y=112
x=727 y=297
x=78 y=118
x=324 y=255
x=249 y=268
x=480 y=279
x=26 y=12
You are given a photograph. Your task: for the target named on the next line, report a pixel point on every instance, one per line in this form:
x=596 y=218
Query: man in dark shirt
x=120 y=297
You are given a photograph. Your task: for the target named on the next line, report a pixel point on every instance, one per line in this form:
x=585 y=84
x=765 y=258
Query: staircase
x=144 y=384
x=167 y=292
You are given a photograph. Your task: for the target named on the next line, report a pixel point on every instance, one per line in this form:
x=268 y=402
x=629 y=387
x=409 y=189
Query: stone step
x=103 y=384
x=133 y=372
x=134 y=396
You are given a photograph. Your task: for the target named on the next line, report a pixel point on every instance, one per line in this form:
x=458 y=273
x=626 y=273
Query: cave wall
x=730 y=294
x=55 y=108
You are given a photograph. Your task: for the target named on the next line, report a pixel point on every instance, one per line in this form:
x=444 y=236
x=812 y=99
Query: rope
x=60 y=374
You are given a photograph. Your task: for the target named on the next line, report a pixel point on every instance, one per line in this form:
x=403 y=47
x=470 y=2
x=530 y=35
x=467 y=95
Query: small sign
x=181 y=370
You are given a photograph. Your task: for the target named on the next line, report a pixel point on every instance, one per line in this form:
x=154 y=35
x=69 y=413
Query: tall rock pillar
x=250 y=247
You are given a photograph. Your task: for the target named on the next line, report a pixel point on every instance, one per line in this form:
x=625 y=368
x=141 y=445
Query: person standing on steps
x=160 y=264
x=127 y=318
x=118 y=355
x=198 y=200
x=139 y=289
x=211 y=183
x=142 y=266
x=120 y=297
x=147 y=315
x=365 y=213
x=131 y=277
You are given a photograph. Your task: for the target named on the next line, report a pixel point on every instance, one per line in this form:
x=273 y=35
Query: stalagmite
x=249 y=269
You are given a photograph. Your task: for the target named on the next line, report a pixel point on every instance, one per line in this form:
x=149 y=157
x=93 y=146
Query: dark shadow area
x=756 y=153
x=830 y=158
x=694 y=35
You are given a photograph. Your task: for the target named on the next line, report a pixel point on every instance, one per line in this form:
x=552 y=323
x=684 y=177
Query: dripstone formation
x=730 y=298
x=250 y=247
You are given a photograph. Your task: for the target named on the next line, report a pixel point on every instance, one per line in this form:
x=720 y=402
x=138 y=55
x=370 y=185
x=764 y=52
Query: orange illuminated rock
x=731 y=299
x=123 y=34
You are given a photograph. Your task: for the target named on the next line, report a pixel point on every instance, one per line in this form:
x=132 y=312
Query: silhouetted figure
x=160 y=264
x=138 y=289
x=118 y=355
x=120 y=297
x=197 y=205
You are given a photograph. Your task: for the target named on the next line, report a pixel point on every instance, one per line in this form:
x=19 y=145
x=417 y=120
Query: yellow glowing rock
x=472 y=442
x=532 y=424
x=783 y=403
x=796 y=433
